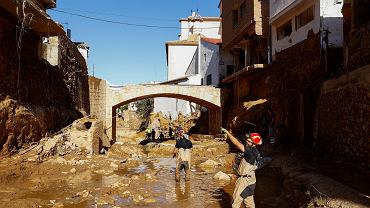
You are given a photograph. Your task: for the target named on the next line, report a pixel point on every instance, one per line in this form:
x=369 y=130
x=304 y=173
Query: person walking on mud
x=157 y=128
x=246 y=183
x=183 y=151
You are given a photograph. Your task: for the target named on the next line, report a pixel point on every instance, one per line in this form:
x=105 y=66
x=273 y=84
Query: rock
x=138 y=198
x=34 y=158
x=122 y=167
x=209 y=164
x=114 y=165
x=81 y=162
x=60 y=160
x=50 y=146
x=131 y=163
x=73 y=170
x=221 y=176
x=83 y=193
x=125 y=194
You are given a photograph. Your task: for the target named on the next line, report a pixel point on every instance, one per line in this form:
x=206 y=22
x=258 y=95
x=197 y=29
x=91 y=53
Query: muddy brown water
x=200 y=191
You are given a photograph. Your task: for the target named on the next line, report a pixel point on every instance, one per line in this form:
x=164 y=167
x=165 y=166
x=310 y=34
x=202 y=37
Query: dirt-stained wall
x=98 y=97
x=295 y=76
x=344 y=116
x=35 y=97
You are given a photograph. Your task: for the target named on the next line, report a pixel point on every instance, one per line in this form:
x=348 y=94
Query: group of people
x=251 y=161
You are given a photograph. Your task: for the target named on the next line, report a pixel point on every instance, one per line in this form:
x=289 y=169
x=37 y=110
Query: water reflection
x=182 y=192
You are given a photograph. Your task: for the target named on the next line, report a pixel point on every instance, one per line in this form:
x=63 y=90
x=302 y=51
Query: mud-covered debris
x=73 y=170
x=83 y=193
x=221 y=176
x=209 y=164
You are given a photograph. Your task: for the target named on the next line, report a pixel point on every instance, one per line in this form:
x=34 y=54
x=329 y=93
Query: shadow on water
x=224 y=196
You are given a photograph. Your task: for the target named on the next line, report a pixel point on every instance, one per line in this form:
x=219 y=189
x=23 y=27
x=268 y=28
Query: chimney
x=69 y=33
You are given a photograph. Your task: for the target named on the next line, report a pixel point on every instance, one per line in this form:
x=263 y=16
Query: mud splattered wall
x=35 y=97
x=98 y=90
x=344 y=116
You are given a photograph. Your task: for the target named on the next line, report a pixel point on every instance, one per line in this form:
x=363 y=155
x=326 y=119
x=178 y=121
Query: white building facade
x=181 y=57
x=291 y=21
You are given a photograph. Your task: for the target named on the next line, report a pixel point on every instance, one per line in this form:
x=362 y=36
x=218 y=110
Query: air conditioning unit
x=50 y=3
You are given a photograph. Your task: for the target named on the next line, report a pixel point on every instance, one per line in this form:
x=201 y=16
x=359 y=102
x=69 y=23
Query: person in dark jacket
x=183 y=151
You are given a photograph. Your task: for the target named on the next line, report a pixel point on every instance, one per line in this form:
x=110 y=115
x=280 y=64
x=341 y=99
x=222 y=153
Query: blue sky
x=128 y=54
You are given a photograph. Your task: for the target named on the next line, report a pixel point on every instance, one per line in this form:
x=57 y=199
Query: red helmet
x=255 y=138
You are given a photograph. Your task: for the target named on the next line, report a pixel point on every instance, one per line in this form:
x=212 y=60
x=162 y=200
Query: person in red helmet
x=246 y=183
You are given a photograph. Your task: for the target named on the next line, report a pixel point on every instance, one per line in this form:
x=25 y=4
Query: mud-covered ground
x=134 y=175
x=129 y=175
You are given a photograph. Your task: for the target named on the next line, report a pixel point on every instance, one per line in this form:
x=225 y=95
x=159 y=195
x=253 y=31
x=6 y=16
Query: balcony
x=242 y=20
x=49 y=4
x=44 y=26
x=280 y=7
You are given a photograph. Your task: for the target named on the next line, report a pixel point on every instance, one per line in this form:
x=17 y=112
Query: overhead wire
x=128 y=23
x=117 y=15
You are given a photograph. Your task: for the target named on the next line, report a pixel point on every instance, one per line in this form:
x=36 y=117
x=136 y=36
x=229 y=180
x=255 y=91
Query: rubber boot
x=187 y=175
x=177 y=175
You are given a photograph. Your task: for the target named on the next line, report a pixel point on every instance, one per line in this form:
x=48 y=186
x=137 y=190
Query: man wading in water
x=246 y=183
x=183 y=152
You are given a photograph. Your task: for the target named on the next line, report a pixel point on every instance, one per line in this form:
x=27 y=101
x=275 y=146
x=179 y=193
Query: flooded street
x=134 y=175
x=77 y=180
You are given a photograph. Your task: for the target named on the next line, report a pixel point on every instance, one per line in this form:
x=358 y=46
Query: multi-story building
x=292 y=20
x=245 y=52
x=245 y=32
x=306 y=44
x=183 y=55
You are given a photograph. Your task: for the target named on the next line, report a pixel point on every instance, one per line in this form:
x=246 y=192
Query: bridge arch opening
x=214 y=118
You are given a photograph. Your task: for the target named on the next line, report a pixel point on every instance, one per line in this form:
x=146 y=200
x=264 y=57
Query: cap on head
x=255 y=138
x=180 y=131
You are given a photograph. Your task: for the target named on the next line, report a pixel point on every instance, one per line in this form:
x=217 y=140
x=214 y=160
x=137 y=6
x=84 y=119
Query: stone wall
x=75 y=73
x=344 y=116
x=97 y=90
x=35 y=97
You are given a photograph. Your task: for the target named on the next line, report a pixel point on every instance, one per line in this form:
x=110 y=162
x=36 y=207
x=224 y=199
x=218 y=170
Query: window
x=235 y=18
x=243 y=8
x=304 y=18
x=191 y=30
x=201 y=81
x=209 y=79
x=284 y=30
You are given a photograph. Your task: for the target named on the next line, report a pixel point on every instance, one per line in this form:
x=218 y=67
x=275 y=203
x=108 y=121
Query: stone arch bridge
x=101 y=94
